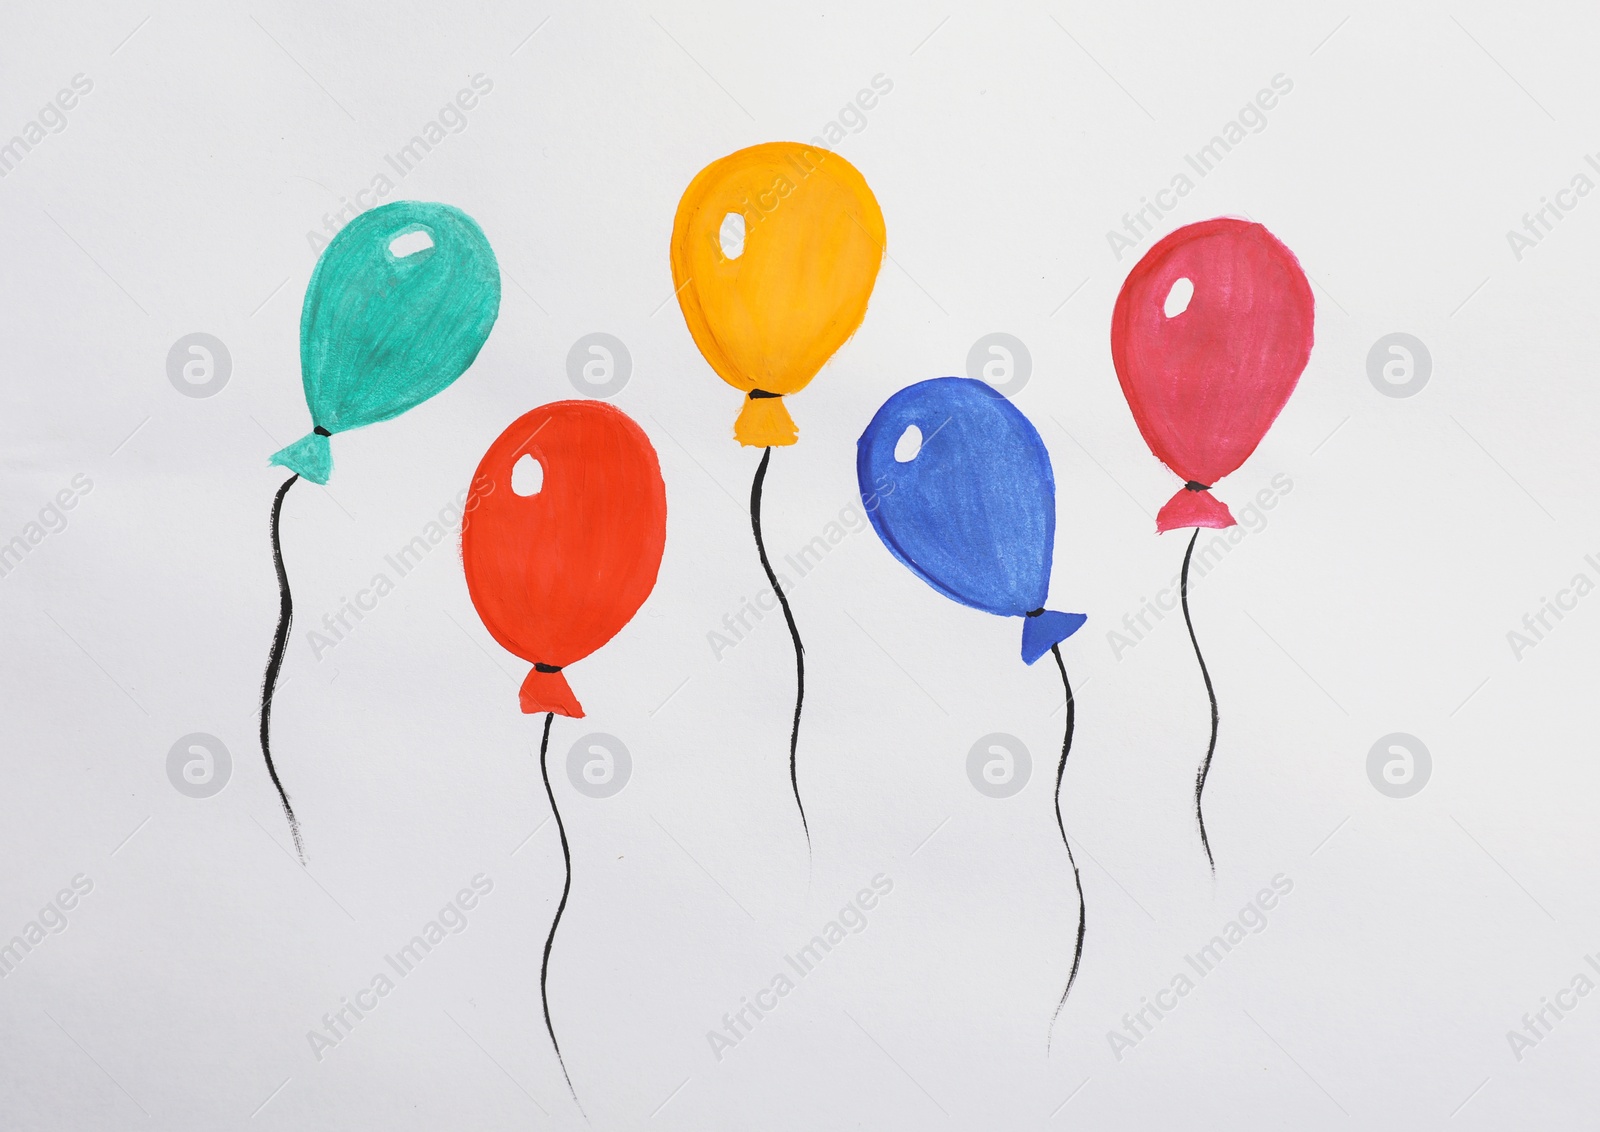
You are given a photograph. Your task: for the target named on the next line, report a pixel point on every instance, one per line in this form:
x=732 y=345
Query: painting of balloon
x=397 y=308
x=775 y=250
x=1209 y=336
x=958 y=485
x=561 y=541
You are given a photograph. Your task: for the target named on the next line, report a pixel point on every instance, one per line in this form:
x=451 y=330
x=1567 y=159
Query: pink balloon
x=1207 y=380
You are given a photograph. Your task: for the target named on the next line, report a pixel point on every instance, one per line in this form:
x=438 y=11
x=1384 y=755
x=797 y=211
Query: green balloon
x=381 y=332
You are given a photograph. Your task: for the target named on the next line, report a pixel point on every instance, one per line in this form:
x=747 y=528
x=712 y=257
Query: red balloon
x=555 y=572
x=1207 y=381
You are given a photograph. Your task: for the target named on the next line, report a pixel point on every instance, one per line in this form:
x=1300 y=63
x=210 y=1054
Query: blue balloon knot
x=1045 y=629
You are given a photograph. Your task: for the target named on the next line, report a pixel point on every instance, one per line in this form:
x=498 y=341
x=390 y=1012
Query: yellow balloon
x=769 y=315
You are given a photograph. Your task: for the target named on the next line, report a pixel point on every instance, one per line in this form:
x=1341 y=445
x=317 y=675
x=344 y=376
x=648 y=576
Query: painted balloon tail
x=1061 y=770
x=756 y=486
x=556 y=565
x=1211 y=333
x=382 y=329
x=280 y=641
x=566 y=890
x=769 y=297
x=1211 y=694
x=957 y=483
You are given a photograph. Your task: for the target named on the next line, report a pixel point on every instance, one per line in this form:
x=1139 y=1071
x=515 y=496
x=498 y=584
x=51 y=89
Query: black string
x=566 y=856
x=280 y=641
x=1205 y=767
x=1061 y=769
x=794 y=632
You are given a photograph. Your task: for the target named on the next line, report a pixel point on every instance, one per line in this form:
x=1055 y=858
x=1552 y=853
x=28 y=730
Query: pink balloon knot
x=1194 y=506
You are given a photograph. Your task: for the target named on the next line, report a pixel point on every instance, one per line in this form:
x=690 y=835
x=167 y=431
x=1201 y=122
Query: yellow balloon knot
x=764 y=422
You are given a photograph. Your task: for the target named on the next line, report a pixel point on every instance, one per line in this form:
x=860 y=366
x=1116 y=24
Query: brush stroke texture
x=973 y=513
x=280 y=641
x=1206 y=383
x=1061 y=770
x=768 y=319
x=566 y=891
x=556 y=574
x=381 y=333
x=1211 y=694
x=756 y=486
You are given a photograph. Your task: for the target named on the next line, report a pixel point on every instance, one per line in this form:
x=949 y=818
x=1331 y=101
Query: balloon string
x=1061 y=769
x=280 y=641
x=566 y=888
x=1205 y=767
x=794 y=632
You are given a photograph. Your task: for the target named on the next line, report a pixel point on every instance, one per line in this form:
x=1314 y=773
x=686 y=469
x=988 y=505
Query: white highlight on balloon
x=410 y=243
x=1178 y=298
x=909 y=444
x=732 y=235
x=527 y=476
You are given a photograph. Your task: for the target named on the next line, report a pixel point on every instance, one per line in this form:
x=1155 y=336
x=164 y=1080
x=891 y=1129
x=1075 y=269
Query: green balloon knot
x=310 y=456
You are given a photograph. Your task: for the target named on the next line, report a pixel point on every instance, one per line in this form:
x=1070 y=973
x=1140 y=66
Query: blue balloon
x=971 y=506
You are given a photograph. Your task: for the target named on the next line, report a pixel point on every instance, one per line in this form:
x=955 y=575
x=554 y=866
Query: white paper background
x=1377 y=598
